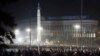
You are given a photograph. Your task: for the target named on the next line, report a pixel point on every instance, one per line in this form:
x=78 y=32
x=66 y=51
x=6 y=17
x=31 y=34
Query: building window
x=94 y=35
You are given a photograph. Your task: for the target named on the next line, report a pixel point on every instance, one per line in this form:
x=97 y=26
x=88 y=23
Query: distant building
x=59 y=31
x=70 y=32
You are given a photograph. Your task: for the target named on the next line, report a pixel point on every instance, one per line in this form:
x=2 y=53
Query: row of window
x=90 y=35
x=71 y=34
x=68 y=27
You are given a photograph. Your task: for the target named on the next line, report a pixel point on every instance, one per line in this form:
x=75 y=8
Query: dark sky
x=25 y=9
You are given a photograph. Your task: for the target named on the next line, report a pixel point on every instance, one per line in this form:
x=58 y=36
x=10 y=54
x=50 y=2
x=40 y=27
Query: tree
x=7 y=22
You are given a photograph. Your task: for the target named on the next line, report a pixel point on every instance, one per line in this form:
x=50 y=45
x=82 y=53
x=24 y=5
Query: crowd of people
x=50 y=52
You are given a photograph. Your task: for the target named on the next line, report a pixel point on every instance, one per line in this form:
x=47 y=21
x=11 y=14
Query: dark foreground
x=49 y=52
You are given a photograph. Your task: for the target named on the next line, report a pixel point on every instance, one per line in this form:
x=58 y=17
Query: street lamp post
x=18 y=40
x=16 y=31
x=29 y=34
x=77 y=28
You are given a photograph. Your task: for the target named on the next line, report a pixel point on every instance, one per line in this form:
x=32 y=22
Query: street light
x=28 y=29
x=77 y=26
x=17 y=31
x=29 y=34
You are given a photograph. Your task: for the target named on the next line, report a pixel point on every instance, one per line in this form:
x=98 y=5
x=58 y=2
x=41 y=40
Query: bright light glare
x=47 y=41
x=19 y=40
x=28 y=29
x=17 y=31
x=77 y=26
x=58 y=41
x=40 y=28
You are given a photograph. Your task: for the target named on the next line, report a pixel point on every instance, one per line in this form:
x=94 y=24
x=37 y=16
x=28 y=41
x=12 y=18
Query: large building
x=70 y=32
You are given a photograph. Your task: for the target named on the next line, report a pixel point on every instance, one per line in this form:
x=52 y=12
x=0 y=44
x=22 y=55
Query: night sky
x=25 y=9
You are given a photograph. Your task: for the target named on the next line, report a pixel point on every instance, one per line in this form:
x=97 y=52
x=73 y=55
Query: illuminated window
x=89 y=35
x=94 y=35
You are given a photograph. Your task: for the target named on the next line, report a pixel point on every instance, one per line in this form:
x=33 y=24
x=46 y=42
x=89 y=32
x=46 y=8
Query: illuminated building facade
x=70 y=32
x=61 y=32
